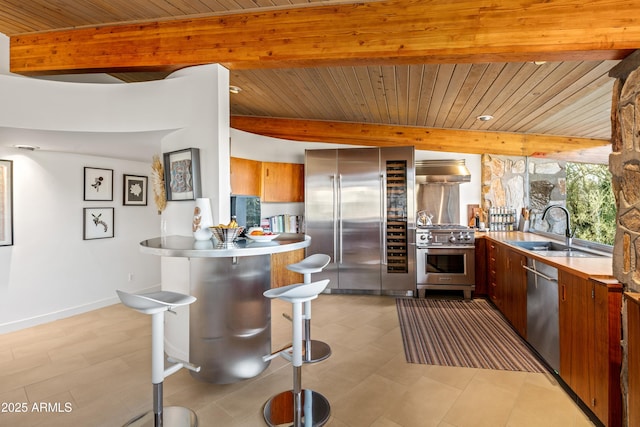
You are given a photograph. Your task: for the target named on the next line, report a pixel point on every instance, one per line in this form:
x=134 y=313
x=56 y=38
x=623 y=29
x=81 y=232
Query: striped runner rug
x=462 y=333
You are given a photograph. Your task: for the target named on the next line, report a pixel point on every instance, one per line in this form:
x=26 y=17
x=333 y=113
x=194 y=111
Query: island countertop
x=188 y=247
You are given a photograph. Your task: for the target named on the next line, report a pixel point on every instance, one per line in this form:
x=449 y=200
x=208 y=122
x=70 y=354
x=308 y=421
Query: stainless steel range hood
x=442 y=171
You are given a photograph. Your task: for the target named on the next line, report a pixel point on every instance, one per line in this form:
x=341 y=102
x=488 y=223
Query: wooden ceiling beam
x=388 y=32
x=430 y=139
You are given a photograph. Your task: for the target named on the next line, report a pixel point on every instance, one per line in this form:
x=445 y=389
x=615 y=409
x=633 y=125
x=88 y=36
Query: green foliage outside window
x=591 y=202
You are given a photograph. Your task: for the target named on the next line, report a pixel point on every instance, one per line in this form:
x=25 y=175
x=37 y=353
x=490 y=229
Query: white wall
x=50 y=271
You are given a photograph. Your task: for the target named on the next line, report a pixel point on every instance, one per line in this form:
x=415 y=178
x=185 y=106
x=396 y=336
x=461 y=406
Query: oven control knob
x=467 y=236
x=452 y=238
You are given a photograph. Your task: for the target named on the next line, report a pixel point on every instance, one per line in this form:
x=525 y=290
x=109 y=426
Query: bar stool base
x=279 y=411
x=172 y=416
x=320 y=350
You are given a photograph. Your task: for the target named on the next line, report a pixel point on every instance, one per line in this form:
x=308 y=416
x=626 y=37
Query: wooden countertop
x=598 y=267
x=633 y=297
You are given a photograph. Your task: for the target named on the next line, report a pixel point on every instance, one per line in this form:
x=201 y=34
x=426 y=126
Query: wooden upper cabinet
x=282 y=182
x=271 y=181
x=246 y=177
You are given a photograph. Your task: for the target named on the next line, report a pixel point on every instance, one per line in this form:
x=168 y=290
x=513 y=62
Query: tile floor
x=93 y=370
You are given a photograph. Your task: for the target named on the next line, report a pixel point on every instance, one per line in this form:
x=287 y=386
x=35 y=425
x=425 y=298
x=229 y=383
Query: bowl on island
x=226 y=234
x=266 y=237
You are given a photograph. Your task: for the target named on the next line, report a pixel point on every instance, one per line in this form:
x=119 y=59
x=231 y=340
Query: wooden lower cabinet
x=590 y=330
x=590 y=333
x=494 y=269
x=481 y=266
x=280 y=276
x=507 y=283
x=515 y=291
x=633 y=358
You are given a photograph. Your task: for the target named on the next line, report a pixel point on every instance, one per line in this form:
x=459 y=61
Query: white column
x=204 y=98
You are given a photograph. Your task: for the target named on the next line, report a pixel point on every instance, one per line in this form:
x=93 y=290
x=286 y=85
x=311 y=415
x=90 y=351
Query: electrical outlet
x=130 y=277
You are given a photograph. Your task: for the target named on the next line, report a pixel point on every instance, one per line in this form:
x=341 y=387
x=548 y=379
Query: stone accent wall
x=624 y=164
x=520 y=182
x=503 y=181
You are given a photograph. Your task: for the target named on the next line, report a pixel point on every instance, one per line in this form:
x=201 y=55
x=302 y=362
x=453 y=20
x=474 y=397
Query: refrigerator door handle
x=383 y=219
x=335 y=217
x=339 y=204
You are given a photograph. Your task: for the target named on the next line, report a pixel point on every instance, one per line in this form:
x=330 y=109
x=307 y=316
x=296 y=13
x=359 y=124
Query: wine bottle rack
x=396 y=232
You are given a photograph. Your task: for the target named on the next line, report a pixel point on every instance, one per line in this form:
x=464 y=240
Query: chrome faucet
x=567 y=233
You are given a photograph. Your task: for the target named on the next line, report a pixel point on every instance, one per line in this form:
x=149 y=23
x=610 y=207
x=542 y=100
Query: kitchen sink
x=536 y=246
x=569 y=252
x=555 y=249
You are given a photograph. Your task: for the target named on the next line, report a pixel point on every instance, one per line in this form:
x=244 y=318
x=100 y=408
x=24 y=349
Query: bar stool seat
x=297 y=407
x=314 y=350
x=312 y=264
x=155 y=304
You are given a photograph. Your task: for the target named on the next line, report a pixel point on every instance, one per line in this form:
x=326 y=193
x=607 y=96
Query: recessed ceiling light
x=485 y=117
x=26 y=147
x=235 y=89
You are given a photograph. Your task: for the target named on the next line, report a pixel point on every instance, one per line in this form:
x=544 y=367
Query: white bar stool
x=314 y=350
x=155 y=304
x=301 y=407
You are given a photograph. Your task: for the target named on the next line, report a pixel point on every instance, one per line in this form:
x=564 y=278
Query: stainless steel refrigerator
x=359 y=209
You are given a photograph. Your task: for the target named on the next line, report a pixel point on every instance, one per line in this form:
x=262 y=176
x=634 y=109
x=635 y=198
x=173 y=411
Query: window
x=591 y=202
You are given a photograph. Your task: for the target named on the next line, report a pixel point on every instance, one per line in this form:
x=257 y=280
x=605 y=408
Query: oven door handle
x=448 y=249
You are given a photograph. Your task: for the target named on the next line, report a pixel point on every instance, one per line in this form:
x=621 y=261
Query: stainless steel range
x=445 y=258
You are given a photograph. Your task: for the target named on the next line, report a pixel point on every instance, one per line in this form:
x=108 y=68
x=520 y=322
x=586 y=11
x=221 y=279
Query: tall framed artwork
x=134 y=191
x=98 y=223
x=182 y=174
x=6 y=202
x=98 y=184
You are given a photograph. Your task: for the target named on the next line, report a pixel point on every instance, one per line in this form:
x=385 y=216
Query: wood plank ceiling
x=569 y=99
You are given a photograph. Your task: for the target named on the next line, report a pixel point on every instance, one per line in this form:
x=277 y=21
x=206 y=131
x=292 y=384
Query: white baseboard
x=20 y=324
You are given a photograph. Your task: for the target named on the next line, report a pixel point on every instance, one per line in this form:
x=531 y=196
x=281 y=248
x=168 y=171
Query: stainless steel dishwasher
x=542 y=311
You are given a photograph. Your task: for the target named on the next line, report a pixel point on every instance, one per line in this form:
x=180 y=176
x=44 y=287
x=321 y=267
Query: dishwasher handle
x=537 y=273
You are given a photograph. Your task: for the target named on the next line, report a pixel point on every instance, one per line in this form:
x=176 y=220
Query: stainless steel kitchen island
x=230 y=323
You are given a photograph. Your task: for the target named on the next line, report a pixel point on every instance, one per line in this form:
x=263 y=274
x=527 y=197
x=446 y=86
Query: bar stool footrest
x=172 y=416
x=320 y=351
x=279 y=410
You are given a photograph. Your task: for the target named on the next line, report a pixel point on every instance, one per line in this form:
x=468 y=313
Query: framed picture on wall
x=134 y=191
x=98 y=223
x=182 y=174
x=98 y=184
x=6 y=202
